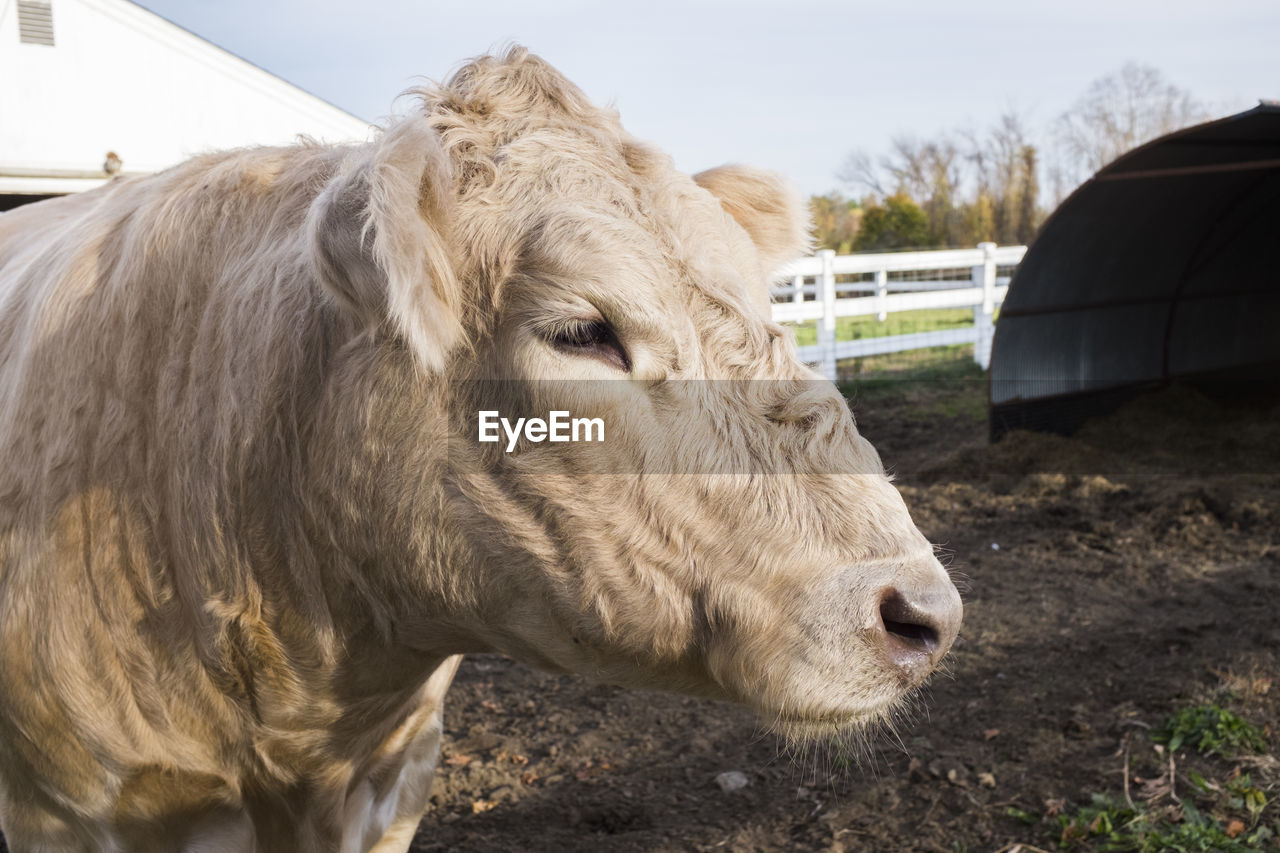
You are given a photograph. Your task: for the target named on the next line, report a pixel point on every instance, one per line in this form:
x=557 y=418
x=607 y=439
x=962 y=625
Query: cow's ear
x=380 y=240
x=762 y=203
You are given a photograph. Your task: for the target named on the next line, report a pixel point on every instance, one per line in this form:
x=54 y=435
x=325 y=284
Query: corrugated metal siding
x=1162 y=267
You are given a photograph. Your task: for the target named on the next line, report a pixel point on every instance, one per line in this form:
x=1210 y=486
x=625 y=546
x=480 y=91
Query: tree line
x=964 y=187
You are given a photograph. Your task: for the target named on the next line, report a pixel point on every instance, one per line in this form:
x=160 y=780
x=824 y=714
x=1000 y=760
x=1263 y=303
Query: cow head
x=733 y=535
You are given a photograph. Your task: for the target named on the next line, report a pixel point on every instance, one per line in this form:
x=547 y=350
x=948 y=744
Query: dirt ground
x=1109 y=580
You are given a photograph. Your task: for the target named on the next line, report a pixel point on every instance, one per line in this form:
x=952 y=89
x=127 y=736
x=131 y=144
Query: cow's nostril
x=908 y=625
x=913 y=635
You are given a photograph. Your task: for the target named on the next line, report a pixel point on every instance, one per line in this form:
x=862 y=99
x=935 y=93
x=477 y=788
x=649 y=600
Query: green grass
x=929 y=365
x=919 y=385
x=904 y=323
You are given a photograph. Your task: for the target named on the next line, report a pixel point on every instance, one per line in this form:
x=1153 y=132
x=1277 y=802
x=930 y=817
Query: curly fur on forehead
x=494 y=100
x=534 y=159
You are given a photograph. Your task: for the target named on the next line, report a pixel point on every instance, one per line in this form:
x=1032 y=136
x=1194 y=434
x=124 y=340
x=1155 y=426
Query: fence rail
x=890 y=283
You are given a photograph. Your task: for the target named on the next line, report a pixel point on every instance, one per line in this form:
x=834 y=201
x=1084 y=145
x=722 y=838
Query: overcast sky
x=790 y=86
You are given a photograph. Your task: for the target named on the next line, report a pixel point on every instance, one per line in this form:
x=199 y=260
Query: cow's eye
x=590 y=337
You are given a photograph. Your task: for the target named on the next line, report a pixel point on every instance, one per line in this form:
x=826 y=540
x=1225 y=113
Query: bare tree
x=986 y=185
x=860 y=172
x=929 y=171
x=1028 y=221
x=913 y=166
x=1000 y=159
x=970 y=185
x=1119 y=112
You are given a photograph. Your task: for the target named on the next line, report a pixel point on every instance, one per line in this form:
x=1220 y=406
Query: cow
x=247 y=526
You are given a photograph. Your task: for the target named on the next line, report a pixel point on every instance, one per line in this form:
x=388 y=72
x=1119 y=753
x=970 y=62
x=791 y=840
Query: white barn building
x=91 y=88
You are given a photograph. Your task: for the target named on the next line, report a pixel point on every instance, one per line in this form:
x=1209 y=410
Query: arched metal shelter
x=1165 y=265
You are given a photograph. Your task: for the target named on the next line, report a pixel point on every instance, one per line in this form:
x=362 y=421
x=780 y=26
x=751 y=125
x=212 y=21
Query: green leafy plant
x=1235 y=806
x=1106 y=824
x=1243 y=795
x=1210 y=729
x=1103 y=819
x=1198 y=833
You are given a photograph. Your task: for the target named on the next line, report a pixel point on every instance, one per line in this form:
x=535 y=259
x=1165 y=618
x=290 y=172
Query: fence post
x=797 y=289
x=984 y=276
x=882 y=290
x=827 y=325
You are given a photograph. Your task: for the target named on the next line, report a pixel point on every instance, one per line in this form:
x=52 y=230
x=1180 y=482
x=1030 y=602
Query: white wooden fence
x=881 y=284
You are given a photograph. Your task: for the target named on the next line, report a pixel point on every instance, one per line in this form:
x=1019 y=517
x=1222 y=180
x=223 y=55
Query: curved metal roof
x=1164 y=265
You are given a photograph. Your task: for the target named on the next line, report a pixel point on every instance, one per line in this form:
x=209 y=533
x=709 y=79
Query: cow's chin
x=845 y=725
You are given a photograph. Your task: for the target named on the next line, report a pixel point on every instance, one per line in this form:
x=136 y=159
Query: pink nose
x=918 y=627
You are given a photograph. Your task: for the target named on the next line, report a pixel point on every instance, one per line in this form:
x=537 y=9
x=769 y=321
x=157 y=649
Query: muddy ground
x=1108 y=582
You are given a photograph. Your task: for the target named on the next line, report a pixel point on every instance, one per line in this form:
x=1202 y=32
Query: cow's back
x=122 y=308
x=24 y=227
x=146 y=331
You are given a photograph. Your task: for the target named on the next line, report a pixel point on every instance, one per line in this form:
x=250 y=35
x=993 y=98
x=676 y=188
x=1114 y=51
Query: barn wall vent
x=35 y=22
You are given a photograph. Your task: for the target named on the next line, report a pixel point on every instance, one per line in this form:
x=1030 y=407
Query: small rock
x=732 y=780
x=987 y=780
x=995 y=546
